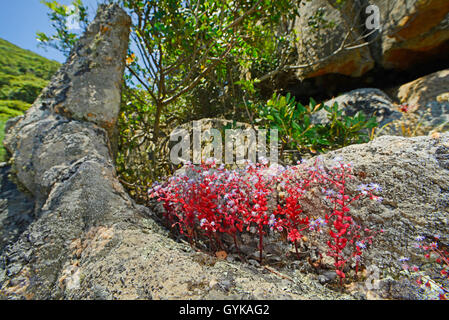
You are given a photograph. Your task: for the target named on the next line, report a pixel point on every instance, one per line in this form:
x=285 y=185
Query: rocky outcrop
x=66 y=163
x=413 y=173
x=16 y=209
x=420 y=92
x=410 y=32
x=427 y=108
x=201 y=129
x=76 y=234
x=87 y=87
x=323 y=31
x=371 y=101
x=413 y=31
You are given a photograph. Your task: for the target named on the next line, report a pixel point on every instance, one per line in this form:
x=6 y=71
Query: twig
x=277 y=273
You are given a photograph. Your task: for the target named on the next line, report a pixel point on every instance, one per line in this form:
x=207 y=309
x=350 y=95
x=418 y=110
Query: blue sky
x=21 y=19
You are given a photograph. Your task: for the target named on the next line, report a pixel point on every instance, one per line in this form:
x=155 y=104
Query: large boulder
x=370 y=101
x=87 y=86
x=428 y=99
x=413 y=176
x=413 y=173
x=202 y=129
x=336 y=39
x=78 y=235
x=322 y=30
x=413 y=31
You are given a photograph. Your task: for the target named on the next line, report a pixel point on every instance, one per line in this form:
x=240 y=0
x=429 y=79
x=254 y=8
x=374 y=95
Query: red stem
x=296 y=249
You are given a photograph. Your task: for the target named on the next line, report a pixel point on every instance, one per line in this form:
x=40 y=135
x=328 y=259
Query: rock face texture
x=371 y=101
x=16 y=210
x=420 y=92
x=207 y=137
x=325 y=44
x=65 y=163
x=87 y=87
x=428 y=97
x=413 y=173
x=413 y=31
x=410 y=32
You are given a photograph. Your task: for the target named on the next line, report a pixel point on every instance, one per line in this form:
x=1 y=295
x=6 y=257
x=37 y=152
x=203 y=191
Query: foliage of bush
x=187 y=60
x=298 y=132
x=24 y=88
x=190 y=60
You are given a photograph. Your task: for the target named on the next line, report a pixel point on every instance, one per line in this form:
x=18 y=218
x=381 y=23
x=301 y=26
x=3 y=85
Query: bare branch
x=142 y=82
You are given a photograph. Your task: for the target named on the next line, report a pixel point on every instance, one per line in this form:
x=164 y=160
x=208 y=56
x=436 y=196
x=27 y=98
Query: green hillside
x=23 y=75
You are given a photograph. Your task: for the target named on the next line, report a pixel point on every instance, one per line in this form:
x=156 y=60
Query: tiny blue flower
x=321 y=221
x=361 y=245
x=375 y=187
x=419 y=238
x=363 y=188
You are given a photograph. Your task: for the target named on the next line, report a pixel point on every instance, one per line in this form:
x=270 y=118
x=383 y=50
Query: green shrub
x=297 y=131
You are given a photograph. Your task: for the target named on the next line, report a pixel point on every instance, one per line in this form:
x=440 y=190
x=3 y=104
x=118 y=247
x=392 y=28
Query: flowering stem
x=296 y=249
x=260 y=242
x=441 y=255
x=237 y=247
